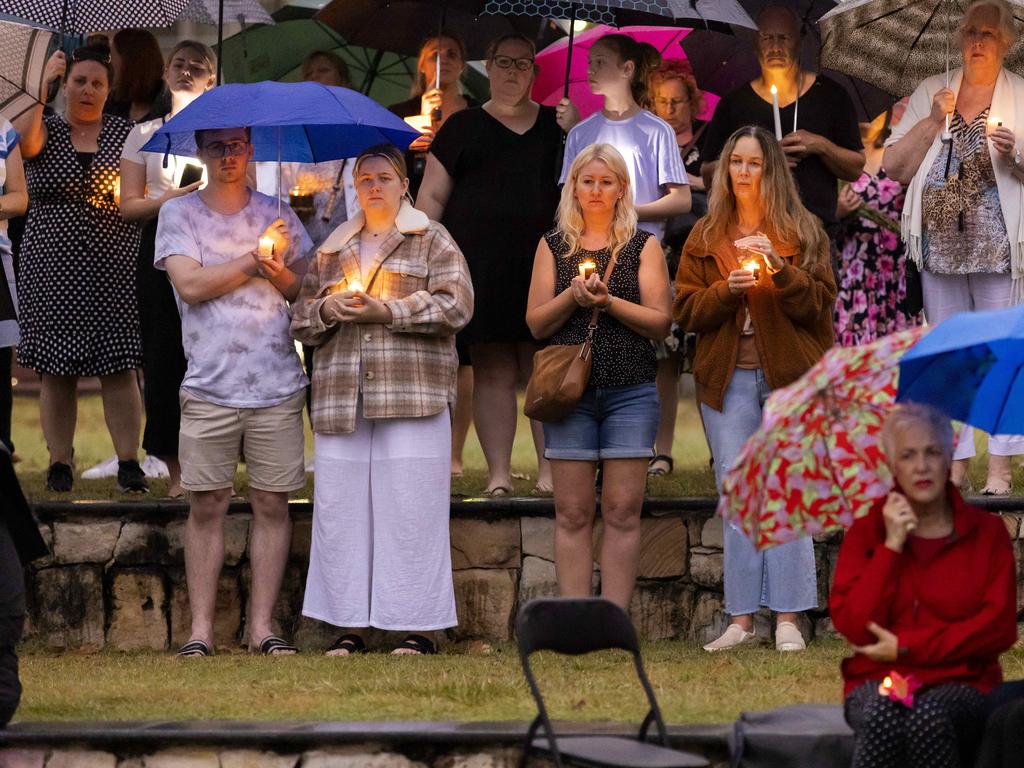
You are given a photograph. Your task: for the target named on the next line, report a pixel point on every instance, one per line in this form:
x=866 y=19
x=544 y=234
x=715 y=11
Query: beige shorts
x=212 y=436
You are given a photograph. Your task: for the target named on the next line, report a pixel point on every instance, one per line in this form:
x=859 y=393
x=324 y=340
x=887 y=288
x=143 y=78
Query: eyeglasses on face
x=225 y=149
x=507 y=62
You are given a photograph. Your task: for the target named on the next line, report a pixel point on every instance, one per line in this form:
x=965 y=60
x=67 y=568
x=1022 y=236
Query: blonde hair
x=1007 y=23
x=570 y=213
x=783 y=213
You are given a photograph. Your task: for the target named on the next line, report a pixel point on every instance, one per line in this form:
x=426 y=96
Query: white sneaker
x=106 y=468
x=733 y=637
x=788 y=637
x=154 y=467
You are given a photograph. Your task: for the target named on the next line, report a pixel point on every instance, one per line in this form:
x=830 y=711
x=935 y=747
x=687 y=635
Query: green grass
x=92 y=445
x=691 y=685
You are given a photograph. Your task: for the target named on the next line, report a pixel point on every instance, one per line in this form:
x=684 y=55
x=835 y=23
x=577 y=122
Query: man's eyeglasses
x=229 y=149
x=507 y=62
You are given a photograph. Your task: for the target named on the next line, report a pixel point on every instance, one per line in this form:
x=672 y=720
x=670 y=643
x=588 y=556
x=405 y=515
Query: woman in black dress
x=492 y=180
x=76 y=280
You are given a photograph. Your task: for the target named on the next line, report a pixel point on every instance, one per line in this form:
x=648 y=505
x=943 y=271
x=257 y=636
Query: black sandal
x=272 y=645
x=653 y=471
x=418 y=644
x=351 y=642
x=194 y=649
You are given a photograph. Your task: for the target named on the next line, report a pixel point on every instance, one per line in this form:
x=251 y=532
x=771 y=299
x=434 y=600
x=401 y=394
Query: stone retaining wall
x=116 y=575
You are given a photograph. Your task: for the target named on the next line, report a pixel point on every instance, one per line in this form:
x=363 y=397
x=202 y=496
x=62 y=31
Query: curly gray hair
x=908 y=413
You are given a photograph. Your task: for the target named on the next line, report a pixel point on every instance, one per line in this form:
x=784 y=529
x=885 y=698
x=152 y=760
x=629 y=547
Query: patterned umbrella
x=895 y=44
x=816 y=463
x=23 y=54
x=80 y=17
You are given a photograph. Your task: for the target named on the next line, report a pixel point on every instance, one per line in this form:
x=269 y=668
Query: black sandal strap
x=194 y=649
x=272 y=644
x=351 y=642
x=419 y=644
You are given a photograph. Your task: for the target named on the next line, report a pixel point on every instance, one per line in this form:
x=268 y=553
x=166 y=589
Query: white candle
x=355 y=285
x=753 y=268
x=266 y=247
x=775 y=113
x=587 y=268
x=992 y=123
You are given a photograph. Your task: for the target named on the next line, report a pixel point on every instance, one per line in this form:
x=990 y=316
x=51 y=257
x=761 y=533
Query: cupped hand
x=762 y=245
x=278 y=232
x=589 y=293
x=886 y=649
x=740 y=281
x=1003 y=140
x=360 y=307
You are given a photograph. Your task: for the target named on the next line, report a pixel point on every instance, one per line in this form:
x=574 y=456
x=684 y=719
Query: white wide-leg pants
x=380 y=554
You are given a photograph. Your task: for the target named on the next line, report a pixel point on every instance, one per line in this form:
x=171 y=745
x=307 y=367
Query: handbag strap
x=597 y=312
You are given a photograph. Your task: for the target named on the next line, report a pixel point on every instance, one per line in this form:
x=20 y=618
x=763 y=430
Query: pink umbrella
x=550 y=83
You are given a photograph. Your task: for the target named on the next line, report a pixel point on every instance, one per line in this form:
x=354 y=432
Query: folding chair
x=575 y=627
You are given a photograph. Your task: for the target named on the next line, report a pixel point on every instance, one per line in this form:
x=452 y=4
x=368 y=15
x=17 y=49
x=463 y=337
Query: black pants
x=12 y=619
x=6 y=396
x=941 y=730
x=163 y=359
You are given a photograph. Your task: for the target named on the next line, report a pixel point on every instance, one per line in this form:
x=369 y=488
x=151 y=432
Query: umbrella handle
x=568 y=58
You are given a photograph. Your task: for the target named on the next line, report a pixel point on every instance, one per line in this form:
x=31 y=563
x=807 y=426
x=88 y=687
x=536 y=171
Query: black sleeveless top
x=622 y=357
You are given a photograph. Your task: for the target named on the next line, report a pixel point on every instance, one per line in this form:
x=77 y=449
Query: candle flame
x=887 y=682
x=587 y=268
x=266 y=247
x=355 y=285
x=751 y=266
x=774 y=90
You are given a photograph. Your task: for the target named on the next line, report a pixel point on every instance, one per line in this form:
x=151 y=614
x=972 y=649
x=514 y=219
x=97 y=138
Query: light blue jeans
x=781 y=577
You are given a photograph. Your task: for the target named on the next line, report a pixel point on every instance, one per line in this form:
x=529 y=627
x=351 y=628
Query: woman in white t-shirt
x=148 y=180
x=618 y=68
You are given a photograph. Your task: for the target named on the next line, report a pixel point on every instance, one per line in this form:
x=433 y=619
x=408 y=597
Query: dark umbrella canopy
x=402 y=25
x=80 y=17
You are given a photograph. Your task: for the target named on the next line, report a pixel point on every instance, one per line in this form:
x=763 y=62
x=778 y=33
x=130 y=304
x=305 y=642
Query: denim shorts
x=612 y=423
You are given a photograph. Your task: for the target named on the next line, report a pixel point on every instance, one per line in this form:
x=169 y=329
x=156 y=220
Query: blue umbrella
x=293 y=122
x=970 y=367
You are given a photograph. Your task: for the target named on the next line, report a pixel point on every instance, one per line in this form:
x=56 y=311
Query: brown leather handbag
x=561 y=373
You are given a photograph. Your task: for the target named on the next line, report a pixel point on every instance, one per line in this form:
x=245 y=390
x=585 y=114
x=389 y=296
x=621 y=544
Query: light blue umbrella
x=291 y=122
x=970 y=367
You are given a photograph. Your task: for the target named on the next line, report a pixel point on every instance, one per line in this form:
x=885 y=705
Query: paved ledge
x=49 y=511
x=306 y=734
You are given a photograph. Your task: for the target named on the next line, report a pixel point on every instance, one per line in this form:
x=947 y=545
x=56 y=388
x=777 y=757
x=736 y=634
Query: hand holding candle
x=273 y=243
x=754 y=268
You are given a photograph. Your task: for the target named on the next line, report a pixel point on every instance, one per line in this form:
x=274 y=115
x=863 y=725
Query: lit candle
x=117 y=190
x=775 y=113
x=266 y=248
x=295 y=192
x=753 y=268
x=886 y=687
x=587 y=268
x=992 y=123
x=355 y=285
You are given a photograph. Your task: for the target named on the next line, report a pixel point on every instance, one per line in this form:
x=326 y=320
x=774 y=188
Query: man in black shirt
x=821 y=136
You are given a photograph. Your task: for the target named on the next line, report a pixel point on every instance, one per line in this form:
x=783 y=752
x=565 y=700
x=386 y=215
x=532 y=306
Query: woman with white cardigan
x=963 y=221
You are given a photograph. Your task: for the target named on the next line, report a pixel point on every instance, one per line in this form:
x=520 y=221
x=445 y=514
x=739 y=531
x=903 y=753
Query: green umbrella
x=277 y=52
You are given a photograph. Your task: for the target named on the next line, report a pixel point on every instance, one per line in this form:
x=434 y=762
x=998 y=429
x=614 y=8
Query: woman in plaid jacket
x=381 y=303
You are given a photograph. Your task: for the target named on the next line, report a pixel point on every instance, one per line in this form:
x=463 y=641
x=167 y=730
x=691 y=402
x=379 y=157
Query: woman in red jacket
x=925 y=588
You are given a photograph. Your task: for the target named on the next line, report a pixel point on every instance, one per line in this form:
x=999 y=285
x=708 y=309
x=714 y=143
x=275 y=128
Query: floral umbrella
x=816 y=464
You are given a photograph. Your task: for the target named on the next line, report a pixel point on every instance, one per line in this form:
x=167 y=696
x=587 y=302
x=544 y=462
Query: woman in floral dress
x=872 y=300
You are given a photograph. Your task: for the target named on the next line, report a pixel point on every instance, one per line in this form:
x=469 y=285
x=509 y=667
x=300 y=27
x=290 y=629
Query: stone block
x=22 y=758
x=1013 y=524
x=228 y=617
x=143 y=543
x=485 y=599
x=538 y=537
x=694 y=524
x=712 y=533
x=707 y=567
x=708 y=619
x=537 y=580
x=313 y=635
x=91 y=541
x=182 y=758
x=357 y=757
x=131 y=762
x=491 y=758
x=68 y=607
x=302 y=539
x=660 y=609
x=47 y=560
x=663 y=547
x=81 y=758
x=138 y=611
x=485 y=543
x=251 y=758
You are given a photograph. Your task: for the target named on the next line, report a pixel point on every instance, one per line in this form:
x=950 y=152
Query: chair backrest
x=574 y=626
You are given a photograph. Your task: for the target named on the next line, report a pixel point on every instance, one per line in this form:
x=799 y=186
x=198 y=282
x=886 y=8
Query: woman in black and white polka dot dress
x=77 y=268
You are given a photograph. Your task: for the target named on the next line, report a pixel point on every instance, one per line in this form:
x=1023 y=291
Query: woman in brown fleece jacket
x=755 y=284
